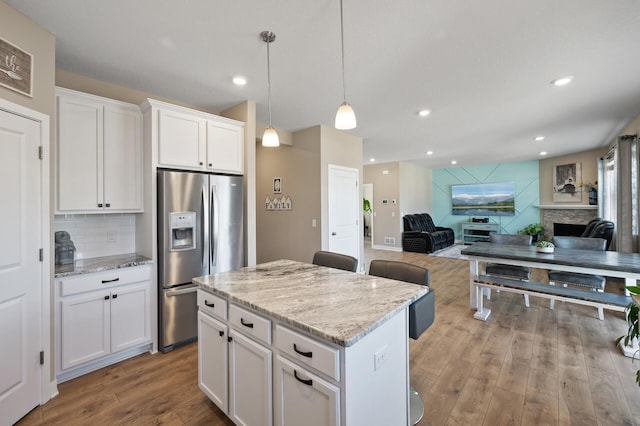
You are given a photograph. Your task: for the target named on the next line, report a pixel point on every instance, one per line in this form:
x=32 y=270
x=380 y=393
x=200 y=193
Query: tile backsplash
x=96 y=235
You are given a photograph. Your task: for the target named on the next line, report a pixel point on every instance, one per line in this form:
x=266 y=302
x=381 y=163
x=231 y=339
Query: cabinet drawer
x=212 y=304
x=100 y=280
x=310 y=352
x=250 y=324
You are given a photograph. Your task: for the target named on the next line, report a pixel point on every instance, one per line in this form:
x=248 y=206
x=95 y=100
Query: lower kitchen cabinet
x=101 y=318
x=213 y=366
x=303 y=398
x=250 y=381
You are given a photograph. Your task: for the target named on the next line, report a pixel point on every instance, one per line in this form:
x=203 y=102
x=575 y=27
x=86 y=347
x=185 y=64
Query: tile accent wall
x=96 y=235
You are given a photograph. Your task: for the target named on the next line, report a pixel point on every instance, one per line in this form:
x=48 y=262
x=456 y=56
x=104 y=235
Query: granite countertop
x=334 y=305
x=97 y=264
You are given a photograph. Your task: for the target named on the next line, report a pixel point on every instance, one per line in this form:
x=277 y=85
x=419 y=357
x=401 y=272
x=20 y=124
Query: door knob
x=333 y=233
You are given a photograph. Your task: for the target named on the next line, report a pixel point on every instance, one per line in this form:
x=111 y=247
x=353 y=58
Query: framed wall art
x=277 y=185
x=565 y=183
x=16 y=68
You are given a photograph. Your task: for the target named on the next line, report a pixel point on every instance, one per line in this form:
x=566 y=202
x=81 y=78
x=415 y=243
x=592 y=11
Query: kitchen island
x=295 y=343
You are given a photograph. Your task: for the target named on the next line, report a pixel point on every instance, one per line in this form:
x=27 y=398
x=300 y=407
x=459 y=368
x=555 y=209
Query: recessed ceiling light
x=372 y=159
x=239 y=81
x=562 y=81
x=543 y=152
x=429 y=152
x=424 y=113
x=539 y=138
x=454 y=162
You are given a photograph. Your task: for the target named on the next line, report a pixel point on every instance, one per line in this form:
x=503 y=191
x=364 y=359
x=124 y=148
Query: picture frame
x=277 y=185
x=16 y=68
x=565 y=183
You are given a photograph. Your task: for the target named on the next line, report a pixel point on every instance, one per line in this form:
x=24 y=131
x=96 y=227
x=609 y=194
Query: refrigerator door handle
x=186 y=290
x=214 y=225
x=204 y=226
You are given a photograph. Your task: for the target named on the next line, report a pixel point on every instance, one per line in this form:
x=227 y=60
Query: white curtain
x=626 y=166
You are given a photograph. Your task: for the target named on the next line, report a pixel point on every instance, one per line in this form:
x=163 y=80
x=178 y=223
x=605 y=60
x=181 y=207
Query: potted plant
x=633 y=332
x=366 y=205
x=534 y=229
x=544 y=247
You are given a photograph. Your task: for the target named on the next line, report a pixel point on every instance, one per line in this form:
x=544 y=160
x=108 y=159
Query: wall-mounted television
x=484 y=199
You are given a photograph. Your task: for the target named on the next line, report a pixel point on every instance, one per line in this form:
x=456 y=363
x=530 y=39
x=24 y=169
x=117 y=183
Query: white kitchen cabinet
x=213 y=365
x=182 y=140
x=98 y=154
x=225 y=147
x=250 y=381
x=101 y=318
x=303 y=398
x=85 y=324
x=193 y=140
x=235 y=360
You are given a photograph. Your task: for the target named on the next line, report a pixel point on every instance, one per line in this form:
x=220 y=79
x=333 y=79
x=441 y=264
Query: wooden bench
x=613 y=302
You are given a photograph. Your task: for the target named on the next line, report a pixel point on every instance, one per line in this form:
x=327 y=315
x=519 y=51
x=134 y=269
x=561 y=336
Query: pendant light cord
x=269 y=81
x=344 y=86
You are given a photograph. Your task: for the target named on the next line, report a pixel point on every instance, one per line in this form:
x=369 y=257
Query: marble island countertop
x=334 y=305
x=98 y=264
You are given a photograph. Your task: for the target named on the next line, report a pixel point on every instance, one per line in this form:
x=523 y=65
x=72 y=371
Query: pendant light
x=270 y=136
x=345 y=117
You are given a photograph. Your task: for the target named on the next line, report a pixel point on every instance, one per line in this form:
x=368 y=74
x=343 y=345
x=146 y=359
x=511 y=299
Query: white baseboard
x=388 y=248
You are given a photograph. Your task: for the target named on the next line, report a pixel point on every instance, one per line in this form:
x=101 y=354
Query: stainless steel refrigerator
x=200 y=232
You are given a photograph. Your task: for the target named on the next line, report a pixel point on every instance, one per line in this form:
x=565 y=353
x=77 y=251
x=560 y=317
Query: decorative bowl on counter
x=544 y=247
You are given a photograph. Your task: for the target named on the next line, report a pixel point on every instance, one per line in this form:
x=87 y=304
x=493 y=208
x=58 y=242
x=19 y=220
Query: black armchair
x=599 y=228
x=422 y=236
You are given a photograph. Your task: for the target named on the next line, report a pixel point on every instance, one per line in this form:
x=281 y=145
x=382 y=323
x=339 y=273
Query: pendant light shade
x=270 y=136
x=345 y=117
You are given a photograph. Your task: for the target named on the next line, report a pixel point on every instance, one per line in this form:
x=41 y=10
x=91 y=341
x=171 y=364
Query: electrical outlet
x=380 y=357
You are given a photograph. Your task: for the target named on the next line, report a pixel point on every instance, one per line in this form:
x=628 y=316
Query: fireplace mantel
x=566 y=207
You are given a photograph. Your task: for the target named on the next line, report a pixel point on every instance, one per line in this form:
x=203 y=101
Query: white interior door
x=20 y=267
x=344 y=211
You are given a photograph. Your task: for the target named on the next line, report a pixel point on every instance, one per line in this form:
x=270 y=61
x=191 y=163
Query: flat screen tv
x=484 y=199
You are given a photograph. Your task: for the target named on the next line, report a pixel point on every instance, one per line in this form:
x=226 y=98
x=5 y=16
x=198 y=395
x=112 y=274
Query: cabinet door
x=250 y=381
x=225 y=144
x=302 y=398
x=213 y=360
x=79 y=154
x=182 y=140
x=122 y=158
x=84 y=328
x=130 y=316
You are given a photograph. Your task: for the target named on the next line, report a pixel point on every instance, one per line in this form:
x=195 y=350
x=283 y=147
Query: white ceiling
x=482 y=67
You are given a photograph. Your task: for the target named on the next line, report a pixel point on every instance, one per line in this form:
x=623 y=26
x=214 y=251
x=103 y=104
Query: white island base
x=297 y=344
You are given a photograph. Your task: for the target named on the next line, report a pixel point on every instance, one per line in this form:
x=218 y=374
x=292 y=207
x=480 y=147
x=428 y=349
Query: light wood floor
x=522 y=367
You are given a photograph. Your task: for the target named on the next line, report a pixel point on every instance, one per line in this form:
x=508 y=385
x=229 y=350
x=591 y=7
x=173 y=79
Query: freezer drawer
x=178 y=316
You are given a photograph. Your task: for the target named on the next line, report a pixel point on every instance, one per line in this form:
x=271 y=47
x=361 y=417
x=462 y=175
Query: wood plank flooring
x=523 y=366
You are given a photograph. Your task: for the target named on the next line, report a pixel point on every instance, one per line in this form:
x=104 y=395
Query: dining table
x=605 y=263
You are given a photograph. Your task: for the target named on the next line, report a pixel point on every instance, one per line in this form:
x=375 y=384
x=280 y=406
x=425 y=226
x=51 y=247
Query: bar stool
x=335 y=260
x=421 y=312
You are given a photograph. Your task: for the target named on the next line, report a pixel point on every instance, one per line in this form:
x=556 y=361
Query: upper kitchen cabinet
x=98 y=154
x=192 y=140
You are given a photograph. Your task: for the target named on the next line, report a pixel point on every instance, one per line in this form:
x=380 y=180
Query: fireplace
x=568 y=217
x=568 y=229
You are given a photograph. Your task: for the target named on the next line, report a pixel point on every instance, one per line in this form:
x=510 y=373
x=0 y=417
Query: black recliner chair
x=599 y=228
x=421 y=235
